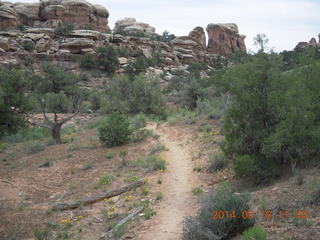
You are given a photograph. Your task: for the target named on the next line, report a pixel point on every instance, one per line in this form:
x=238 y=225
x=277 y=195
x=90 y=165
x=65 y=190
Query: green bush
x=33 y=147
x=107 y=57
x=263 y=127
x=203 y=227
x=114 y=130
x=142 y=95
x=106 y=179
x=156 y=148
x=29 y=60
x=138 y=121
x=64 y=29
x=254 y=233
x=28 y=45
x=217 y=162
x=140 y=134
x=151 y=162
x=87 y=61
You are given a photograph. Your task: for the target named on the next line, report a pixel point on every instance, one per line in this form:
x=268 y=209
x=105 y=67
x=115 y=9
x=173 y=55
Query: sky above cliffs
x=285 y=22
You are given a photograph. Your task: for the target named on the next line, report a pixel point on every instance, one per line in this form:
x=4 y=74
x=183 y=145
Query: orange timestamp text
x=265 y=214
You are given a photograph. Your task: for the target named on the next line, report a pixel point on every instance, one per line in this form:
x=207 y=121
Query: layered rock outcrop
x=41 y=38
x=130 y=25
x=224 y=39
x=311 y=43
x=191 y=48
x=49 y=13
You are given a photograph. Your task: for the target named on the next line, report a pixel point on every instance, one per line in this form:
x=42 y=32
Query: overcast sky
x=285 y=22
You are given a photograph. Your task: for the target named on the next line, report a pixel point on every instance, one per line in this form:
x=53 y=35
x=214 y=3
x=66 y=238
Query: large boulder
x=28 y=12
x=8 y=16
x=49 y=13
x=78 y=12
x=311 y=43
x=192 y=48
x=77 y=45
x=224 y=39
x=130 y=25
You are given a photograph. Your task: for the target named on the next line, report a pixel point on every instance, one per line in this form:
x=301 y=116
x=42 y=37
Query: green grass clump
x=109 y=155
x=254 y=233
x=33 y=147
x=156 y=148
x=152 y=162
x=106 y=179
x=197 y=191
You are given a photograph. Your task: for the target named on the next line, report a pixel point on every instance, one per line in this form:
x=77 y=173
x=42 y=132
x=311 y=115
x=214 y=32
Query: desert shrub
x=196 y=190
x=151 y=162
x=156 y=148
x=138 y=121
x=28 y=134
x=87 y=61
x=143 y=94
x=203 y=227
x=29 y=60
x=139 y=65
x=140 y=134
x=64 y=29
x=213 y=108
x=21 y=27
x=166 y=36
x=33 y=147
x=15 y=103
x=254 y=233
x=3 y=147
x=315 y=192
x=114 y=130
x=28 y=45
x=42 y=234
x=107 y=57
x=278 y=136
x=106 y=179
x=217 y=162
x=205 y=127
x=95 y=100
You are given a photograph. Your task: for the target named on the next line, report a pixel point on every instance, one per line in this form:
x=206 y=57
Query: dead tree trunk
x=55 y=132
x=95 y=198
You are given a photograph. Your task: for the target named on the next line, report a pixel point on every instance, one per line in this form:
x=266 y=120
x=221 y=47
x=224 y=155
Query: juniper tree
x=58 y=92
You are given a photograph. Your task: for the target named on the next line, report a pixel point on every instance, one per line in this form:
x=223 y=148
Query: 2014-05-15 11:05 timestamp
x=266 y=214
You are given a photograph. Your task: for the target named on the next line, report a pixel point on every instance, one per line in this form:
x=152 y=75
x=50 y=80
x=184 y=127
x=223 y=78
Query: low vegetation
x=202 y=226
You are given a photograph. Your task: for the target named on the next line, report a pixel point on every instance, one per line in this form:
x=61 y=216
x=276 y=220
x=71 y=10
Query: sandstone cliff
x=311 y=43
x=49 y=13
x=39 y=36
x=224 y=39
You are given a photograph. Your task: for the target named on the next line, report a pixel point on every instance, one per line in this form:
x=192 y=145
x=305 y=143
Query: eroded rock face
x=130 y=25
x=192 y=48
x=224 y=39
x=49 y=13
x=311 y=43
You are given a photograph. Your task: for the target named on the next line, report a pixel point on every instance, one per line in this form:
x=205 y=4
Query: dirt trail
x=178 y=181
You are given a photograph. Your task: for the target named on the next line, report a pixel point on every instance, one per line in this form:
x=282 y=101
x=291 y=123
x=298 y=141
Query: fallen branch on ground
x=95 y=198
x=109 y=234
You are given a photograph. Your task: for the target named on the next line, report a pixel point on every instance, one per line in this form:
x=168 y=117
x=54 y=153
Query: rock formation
x=311 y=43
x=130 y=25
x=49 y=13
x=190 y=48
x=224 y=39
x=40 y=37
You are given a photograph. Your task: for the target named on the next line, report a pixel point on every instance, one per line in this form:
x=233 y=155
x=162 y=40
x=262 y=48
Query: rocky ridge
x=41 y=19
x=312 y=43
x=49 y=13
